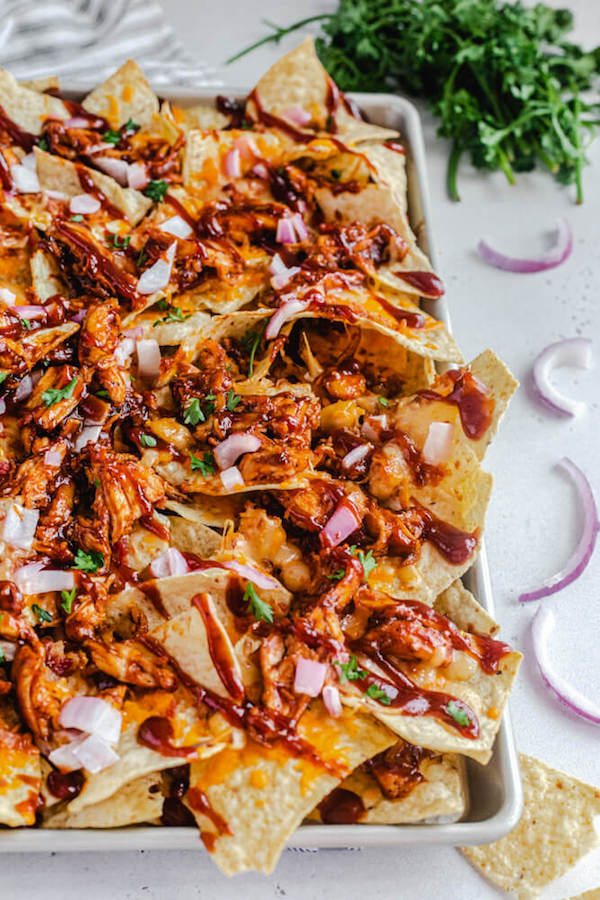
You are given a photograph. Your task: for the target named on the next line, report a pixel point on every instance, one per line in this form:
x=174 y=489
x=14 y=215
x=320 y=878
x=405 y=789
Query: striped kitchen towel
x=86 y=40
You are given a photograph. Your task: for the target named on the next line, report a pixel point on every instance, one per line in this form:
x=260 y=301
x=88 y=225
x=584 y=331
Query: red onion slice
x=77 y=122
x=585 y=546
x=553 y=257
x=148 y=354
x=87 y=435
x=30 y=312
x=576 y=352
x=137 y=176
x=438 y=443
x=258 y=578
x=26 y=573
x=92 y=715
x=299 y=227
x=116 y=168
x=541 y=630
x=228 y=451
x=176 y=226
x=25 y=181
x=24 y=388
x=94 y=754
x=64 y=757
x=169 y=562
x=231 y=478
x=7 y=296
x=84 y=204
x=309 y=677
x=19 y=526
x=281 y=315
x=331 y=699
x=285 y=233
x=158 y=275
x=52 y=458
x=341 y=524
x=355 y=456
x=46 y=581
x=232 y=165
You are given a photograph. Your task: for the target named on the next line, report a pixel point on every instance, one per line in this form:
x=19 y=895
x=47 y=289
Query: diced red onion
x=575 y=352
x=297 y=115
x=285 y=233
x=27 y=573
x=233 y=166
x=92 y=715
x=87 y=435
x=331 y=699
x=45 y=581
x=341 y=524
x=137 y=176
x=553 y=257
x=438 y=443
x=79 y=316
x=585 y=545
x=116 y=168
x=94 y=754
x=56 y=195
x=76 y=122
x=281 y=315
x=84 y=204
x=148 y=354
x=19 y=526
x=98 y=148
x=260 y=579
x=228 y=451
x=30 y=162
x=24 y=388
x=299 y=227
x=280 y=281
x=277 y=265
x=247 y=146
x=25 y=181
x=2 y=406
x=169 y=562
x=260 y=170
x=373 y=426
x=123 y=350
x=541 y=630
x=30 y=312
x=7 y=296
x=52 y=458
x=157 y=276
x=8 y=650
x=136 y=332
x=231 y=478
x=176 y=226
x=309 y=677
x=64 y=758
x=355 y=456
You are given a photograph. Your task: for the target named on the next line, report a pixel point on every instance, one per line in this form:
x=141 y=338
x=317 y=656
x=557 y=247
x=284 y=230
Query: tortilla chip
x=204 y=167
x=210 y=511
x=139 y=801
x=41 y=85
x=264 y=793
x=594 y=894
x=20 y=779
x=125 y=95
x=555 y=831
x=28 y=108
x=200 y=117
x=489 y=369
x=58 y=174
x=45 y=276
x=460 y=605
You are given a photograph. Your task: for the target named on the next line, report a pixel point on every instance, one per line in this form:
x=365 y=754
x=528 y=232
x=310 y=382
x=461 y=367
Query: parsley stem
x=278 y=33
x=451 y=173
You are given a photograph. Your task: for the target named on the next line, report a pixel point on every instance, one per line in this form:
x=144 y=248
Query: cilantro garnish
x=96 y=482
x=368 y=562
x=53 y=395
x=457 y=713
x=119 y=243
x=26 y=324
x=67 y=598
x=250 y=343
x=43 y=143
x=232 y=400
x=111 y=136
x=147 y=440
x=77 y=218
x=192 y=413
x=156 y=190
x=103 y=393
x=260 y=609
x=88 y=562
x=350 y=671
x=3 y=376
x=130 y=125
x=377 y=693
x=142 y=258
x=336 y=576
x=2 y=656
x=42 y=614
x=206 y=465
x=383 y=401
x=174 y=315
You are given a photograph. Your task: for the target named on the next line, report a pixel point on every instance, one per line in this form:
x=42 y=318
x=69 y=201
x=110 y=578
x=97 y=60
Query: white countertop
x=531 y=525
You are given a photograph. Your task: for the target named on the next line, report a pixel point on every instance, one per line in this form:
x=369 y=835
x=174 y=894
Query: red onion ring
x=580 y=557
x=554 y=257
x=576 y=352
x=541 y=630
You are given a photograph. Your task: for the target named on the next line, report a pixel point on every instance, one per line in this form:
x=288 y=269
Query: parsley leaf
x=383 y=401
x=192 y=413
x=368 y=562
x=2 y=656
x=350 y=671
x=147 y=440
x=26 y=324
x=42 y=614
x=3 y=376
x=111 y=136
x=77 y=218
x=119 y=243
x=232 y=400
x=377 y=693
x=174 y=315
x=88 y=562
x=156 y=190
x=130 y=125
x=458 y=713
x=103 y=393
x=67 y=598
x=142 y=258
x=206 y=465
x=260 y=609
x=54 y=395
x=43 y=143
x=250 y=343
x=336 y=576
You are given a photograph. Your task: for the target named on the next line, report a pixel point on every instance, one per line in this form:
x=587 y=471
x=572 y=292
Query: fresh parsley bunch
x=502 y=77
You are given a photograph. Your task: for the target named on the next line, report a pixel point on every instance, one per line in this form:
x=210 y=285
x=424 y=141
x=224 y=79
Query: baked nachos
x=237 y=494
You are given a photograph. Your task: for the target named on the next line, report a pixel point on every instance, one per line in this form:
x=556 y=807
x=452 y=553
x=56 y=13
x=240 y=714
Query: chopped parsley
x=383 y=401
x=67 y=598
x=43 y=143
x=206 y=465
x=174 y=315
x=42 y=614
x=457 y=713
x=232 y=400
x=96 y=482
x=156 y=190
x=2 y=656
x=192 y=414
x=336 y=576
x=26 y=324
x=260 y=609
x=120 y=243
x=367 y=561
x=3 y=376
x=147 y=440
x=88 y=562
x=77 y=218
x=350 y=671
x=142 y=258
x=250 y=343
x=130 y=125
x=103 y=393
x=111 y=136
x=54 y=395
x=377 y=693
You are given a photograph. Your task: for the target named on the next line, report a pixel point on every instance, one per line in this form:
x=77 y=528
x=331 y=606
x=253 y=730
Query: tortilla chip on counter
x=247 y=802
x=555 y=831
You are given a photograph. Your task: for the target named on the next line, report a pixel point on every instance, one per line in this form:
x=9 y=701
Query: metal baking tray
x=495 y=796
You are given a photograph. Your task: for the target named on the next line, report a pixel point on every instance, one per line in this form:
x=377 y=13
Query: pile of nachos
x=240 y=473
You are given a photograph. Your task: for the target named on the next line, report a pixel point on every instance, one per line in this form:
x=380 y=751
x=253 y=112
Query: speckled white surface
x=531 y=523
